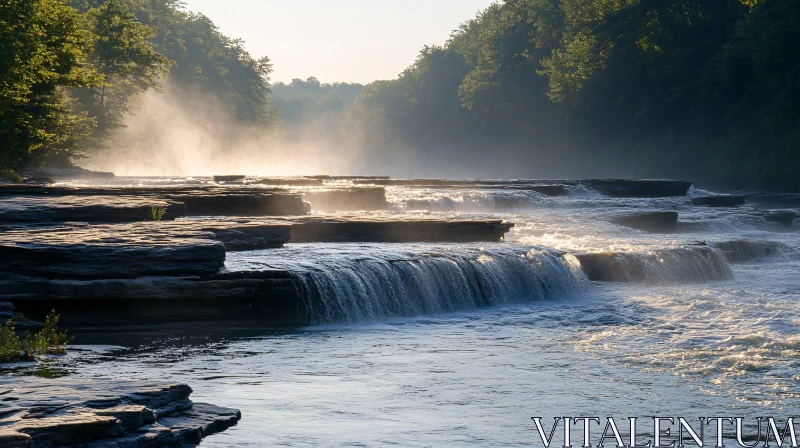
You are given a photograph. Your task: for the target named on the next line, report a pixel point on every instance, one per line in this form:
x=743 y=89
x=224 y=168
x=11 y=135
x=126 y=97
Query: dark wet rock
x=547 y=189
x=347 y=200
x=247 y=236
x=461 y=183
x=663 y=221
x=783 y=218
x=690 y=264
x=785 y=199
x=741 y=251
x=10 y=439
x=233 y=178
x=719 y=201
x=24 y=209
x=291 y=182
x=165 y=273
x=268 y=295
x=416 y=182
x=328 y=177
x=91 y=252
x=239 y=234
x=102 y=414
x=150 y=191
x=7 y=312
x=174 y=270
x=236 y=234
x=159 y=191
x=38 y=202
x=234 y=204
x=640 y=188
x=376 y=230
x=550 y=190
x=202 y=420
x=14 y=286
x=75 y=173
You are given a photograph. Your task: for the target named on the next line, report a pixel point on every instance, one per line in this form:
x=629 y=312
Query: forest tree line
x=311 y=110
x=705 y=90
x=71 y=70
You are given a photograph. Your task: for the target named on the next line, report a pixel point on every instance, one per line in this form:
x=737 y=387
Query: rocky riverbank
x=67 y=412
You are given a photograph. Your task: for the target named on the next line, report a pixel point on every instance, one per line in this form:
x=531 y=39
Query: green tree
x=122 y=54
x=664 y=88
x=42 y=51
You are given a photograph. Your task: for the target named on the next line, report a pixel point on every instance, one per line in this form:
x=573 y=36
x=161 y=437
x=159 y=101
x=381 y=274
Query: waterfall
x=685 y=265
x=436 y=282
x=488 y=200
x=741 y=251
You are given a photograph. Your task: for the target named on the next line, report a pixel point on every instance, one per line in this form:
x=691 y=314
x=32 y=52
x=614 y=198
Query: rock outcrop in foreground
x=175 y=270
x=97 y=414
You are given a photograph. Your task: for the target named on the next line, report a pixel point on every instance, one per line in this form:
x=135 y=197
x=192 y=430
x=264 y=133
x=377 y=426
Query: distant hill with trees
x=708 y=91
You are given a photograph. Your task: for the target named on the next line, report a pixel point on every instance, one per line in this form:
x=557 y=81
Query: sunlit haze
x=351 y=41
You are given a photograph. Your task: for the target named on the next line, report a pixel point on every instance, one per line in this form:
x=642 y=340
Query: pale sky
x=338 y=40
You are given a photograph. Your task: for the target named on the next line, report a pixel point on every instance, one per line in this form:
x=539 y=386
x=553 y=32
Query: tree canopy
x=679 y=88
x=71 y=70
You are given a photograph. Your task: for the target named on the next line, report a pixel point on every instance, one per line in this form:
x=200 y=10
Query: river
x=453 y=345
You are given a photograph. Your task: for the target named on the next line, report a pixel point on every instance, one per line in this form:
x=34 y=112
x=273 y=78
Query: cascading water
x=362 y=283
x=433 y=283
x=740 y=251
x=483 y=200
x=678 y=265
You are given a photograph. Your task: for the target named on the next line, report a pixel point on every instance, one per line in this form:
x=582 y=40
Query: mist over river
x=460 y=344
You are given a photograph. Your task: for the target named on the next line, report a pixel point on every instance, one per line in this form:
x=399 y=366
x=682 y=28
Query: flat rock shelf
x=170 y=271
x=208 y=200
x=80 y=413
x=32 y=209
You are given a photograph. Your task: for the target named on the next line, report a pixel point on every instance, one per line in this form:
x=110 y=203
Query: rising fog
x=169 y=135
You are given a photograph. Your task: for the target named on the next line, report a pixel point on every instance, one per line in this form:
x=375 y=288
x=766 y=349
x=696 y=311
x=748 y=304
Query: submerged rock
x=291 y=182
x=235 y=204
x=376 y=230
x=783 y=218
x=549 y=190
x=719 y=201
x=640 y=188
x=102 y=414
x=74 y=173
x=233 y=178
x=649 y=221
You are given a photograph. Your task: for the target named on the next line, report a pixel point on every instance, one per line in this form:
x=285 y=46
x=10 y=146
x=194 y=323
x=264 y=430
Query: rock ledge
x=95 y=414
